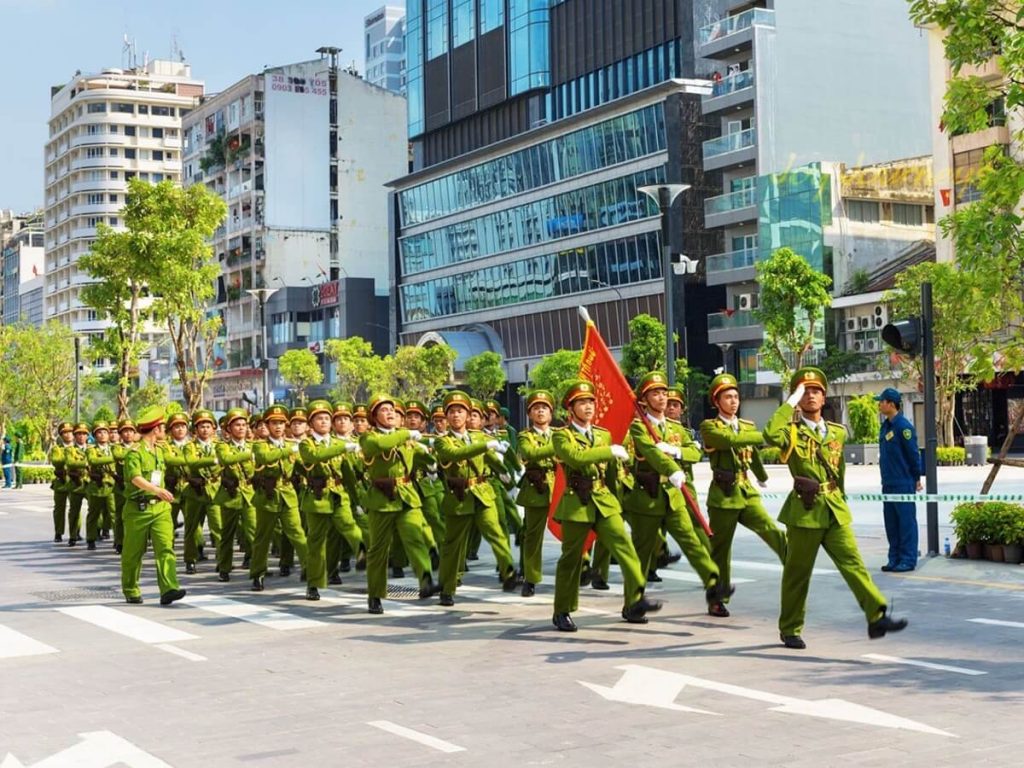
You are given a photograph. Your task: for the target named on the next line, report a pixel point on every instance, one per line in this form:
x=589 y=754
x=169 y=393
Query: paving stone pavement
x=235 y=678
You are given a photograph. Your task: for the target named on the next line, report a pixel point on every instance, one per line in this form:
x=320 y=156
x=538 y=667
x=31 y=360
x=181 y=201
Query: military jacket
x=650 y=461
x=322 y=462
x=593 y=462
x=101 y=470
x=77 y=466
x=119 y=451
x=140 y=461
x=391 y=457
x=275 y=466
x=428 y=482
x=237 y=467
x=58 y=457
x=537 y=453
x=177 y=466
x=733 y=451
x=808 y=454
x=466 y=464
x=203 y=477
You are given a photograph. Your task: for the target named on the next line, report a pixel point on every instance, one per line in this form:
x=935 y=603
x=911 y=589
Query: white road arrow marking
x=658 y=688
x=98 y=749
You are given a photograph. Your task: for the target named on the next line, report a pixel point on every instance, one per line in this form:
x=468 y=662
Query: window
x=907 y=215
x=94 y=199
x=143 y=109
x=130 y=153
x=115 y=175
x=158 y=111
x=97 y=107
x=122 y=107
x=862 y=210
x=492 y=14
x=966 y=167
x=95 y=152
x=157 y=133
x=129 y=130
x=437 y=28
x=112 y=221
x=463 y=21
x=113 y=198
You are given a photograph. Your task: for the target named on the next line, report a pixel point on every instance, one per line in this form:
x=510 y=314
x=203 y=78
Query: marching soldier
x=731 y=444
x=465 y=456
x=428 y=483
x=656 y=501
x=60 y=485
x=235 y=494
x=675 y=410
x=437 y=419
x=298 y=426
x=100 y=494
x=360 y=419
x=127 y=434
x=174 y=457
x=815 y=512
x=147 y=513
x=201 y=490
x=276 y=500
x=590 y=504
x=77 y=466
x=537 y=452
x=339 y=553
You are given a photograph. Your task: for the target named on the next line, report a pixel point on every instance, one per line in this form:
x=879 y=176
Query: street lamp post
x=78 y=379
x=262 y=295
x=664 y=195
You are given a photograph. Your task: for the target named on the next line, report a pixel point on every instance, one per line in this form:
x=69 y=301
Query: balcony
x=733 y=33
x=731 y=149
x=731 y=267
x=731 y=93
x=765 y=375
x=730 y=208
x=732 y=327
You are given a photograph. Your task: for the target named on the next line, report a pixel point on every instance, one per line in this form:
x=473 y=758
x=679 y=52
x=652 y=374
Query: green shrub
x=771 y=455
x=997 y=522
x=37 y=474
x=950 y=456
x=864 y=423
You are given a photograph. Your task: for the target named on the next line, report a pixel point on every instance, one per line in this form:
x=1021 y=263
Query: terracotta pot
x=974 y=550
x=1013 y=553
x=994 y=552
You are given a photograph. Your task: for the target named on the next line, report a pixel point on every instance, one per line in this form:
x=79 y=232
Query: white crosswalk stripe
x=127 y=624
x=14 y=644
x=255 y=614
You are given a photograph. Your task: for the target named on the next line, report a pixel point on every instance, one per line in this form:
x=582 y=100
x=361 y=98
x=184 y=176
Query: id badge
x=156 y=477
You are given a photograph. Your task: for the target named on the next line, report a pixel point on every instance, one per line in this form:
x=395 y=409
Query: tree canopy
x=485 y=375
x=300 y=369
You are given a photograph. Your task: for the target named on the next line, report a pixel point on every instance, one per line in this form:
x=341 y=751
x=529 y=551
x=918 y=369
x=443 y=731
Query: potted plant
x=1011 y=532
x=967 y=528
x=863 y=445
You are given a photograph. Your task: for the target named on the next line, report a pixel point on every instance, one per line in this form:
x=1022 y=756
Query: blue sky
x=45 y=41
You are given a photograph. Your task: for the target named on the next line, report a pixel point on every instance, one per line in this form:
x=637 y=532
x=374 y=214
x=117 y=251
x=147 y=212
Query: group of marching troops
x=389 y=484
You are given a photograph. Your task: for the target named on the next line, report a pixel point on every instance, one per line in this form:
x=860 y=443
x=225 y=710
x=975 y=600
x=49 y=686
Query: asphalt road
x=234 y=678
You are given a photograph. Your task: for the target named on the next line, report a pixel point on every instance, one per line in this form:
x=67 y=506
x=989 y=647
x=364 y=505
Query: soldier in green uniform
x=537 y=452
x=675 y=410
x=174 y=458
x=324 y=500
x=656 y=501
x=77 y=466
x=438 y=422
x=234 y=497
x=429 y=485
x=276 y=500
x=200 y=491
x=590 y=504
x=465 y=455
x=731 y=444
x=815 y=512
x=360 y=419
x=60 y=484
x=298 y=426
x=127 y=438
x=100 y=493
x=339 y=552
x=147 y=513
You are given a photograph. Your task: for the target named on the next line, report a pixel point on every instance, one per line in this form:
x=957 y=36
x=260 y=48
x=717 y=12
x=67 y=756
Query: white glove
x=620 y=453
x=415 y=434
x=514 y=492
x=295 y=447
x=797 y=395
x=677 y=478
x=505 y=478
x=432 y=476
x=670 y=450
x=360 y=510
x=763 y=484
x=494 y=445
x=430 y=442
x=505 y=445
x=421 y=447
x=351 y=447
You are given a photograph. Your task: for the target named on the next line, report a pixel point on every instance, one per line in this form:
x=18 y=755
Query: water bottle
x=946 y=548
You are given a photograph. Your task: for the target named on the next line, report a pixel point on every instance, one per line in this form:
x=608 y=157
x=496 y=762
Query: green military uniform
x=177 y=468
x=324 y=502
x=60 y=486
x=590 y=504
x=147 y=518
x=428 y=483
x=202 y=482
x=537 y=453
x=100 y=490
x=816 y=515
x=77 y=466
x=286 y=561
x=732 y=498
x=393 y=505
x=119 y=451
x=277 y=503
x=234 y=497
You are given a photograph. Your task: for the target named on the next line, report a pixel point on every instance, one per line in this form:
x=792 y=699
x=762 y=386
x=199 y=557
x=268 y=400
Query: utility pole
x=261 y=295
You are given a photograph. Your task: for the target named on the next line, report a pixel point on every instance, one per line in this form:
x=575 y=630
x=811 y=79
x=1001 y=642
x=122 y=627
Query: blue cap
x=891 y=395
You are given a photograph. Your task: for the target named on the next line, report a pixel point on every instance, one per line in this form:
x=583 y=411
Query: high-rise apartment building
x=21 y=267
x=384 y=58
x=105 y=129
x=300 y=154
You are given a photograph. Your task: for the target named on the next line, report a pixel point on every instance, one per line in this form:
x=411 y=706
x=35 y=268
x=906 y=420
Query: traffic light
x=904 y=335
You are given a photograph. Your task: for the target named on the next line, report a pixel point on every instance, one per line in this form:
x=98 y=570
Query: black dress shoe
x=117 y=548
x=719 y=610
x=665 y=560
x=586 y=576
x=257 y=584
x=345 y=565
x=373 y=605
x=473 y=556
x=435 y=560
x=510 y=584
x=361 y=559
x=57 y=538
x=171 y=595
x=718 y=593
x=312 y=593
x=90 y=545
x=190 y=568
x=223 y=576
x=202 y=555
x=599 y=584
x=286 y=570
x=793 y=641
x=563 y=622
x=245 y=561
x=302 y=575
x=446 y=600
x=133 y=600
x=334 y=578
x=72 y=542
x=653 y=577
x=397 y=573
x=637 y=612
x=877 y=629
x=528 y=589
x=887 y=567
x=428 y=588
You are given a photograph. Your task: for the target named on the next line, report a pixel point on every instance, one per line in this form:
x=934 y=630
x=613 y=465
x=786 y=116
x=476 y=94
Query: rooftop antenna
x=176 y=52
x=129 y=58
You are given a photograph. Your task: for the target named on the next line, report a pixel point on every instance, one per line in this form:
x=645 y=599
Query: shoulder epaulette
x=747 y=422
x=673 y=421
x=836 y=424
x=595 y=427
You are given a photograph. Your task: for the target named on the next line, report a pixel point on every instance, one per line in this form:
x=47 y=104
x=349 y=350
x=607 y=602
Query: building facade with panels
x=384 y=59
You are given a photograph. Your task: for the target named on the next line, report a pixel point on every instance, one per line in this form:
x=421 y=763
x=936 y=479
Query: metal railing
x=731 y=201
x=721 y=262
x=731 y=142
x=730 y=25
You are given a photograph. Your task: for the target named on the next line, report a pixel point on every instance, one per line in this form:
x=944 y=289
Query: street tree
x=792 y=305
x=300 y=369
x=360 y=372
x=645 y=350
x=553 y=373
x=485 y=375
x=420 y=372
x=959 y=333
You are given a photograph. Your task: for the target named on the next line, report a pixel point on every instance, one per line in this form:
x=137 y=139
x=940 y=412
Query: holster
x=60 y=474
x=538 y=478
x=724 y=479
x=198 y=484
x=458 y=486
x=75 y=475
x=582 y=486
x=96 y=476
x=230 y=484
x=266 y=484
x=385 y=485
x=807 y=489
x=317 y=485
x=297 y=482
x=650 y=482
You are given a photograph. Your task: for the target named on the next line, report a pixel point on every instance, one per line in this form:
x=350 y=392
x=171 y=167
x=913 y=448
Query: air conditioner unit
x=865 y=322
x=747 y=300
x=858 y=346
x=871 y=345
x=851 y=324
x=881 y=316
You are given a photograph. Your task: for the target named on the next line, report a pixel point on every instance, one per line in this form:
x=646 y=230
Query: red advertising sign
x=325 y=294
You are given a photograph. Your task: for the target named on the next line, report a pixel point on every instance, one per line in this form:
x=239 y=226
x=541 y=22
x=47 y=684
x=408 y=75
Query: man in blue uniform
x=900 y=463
